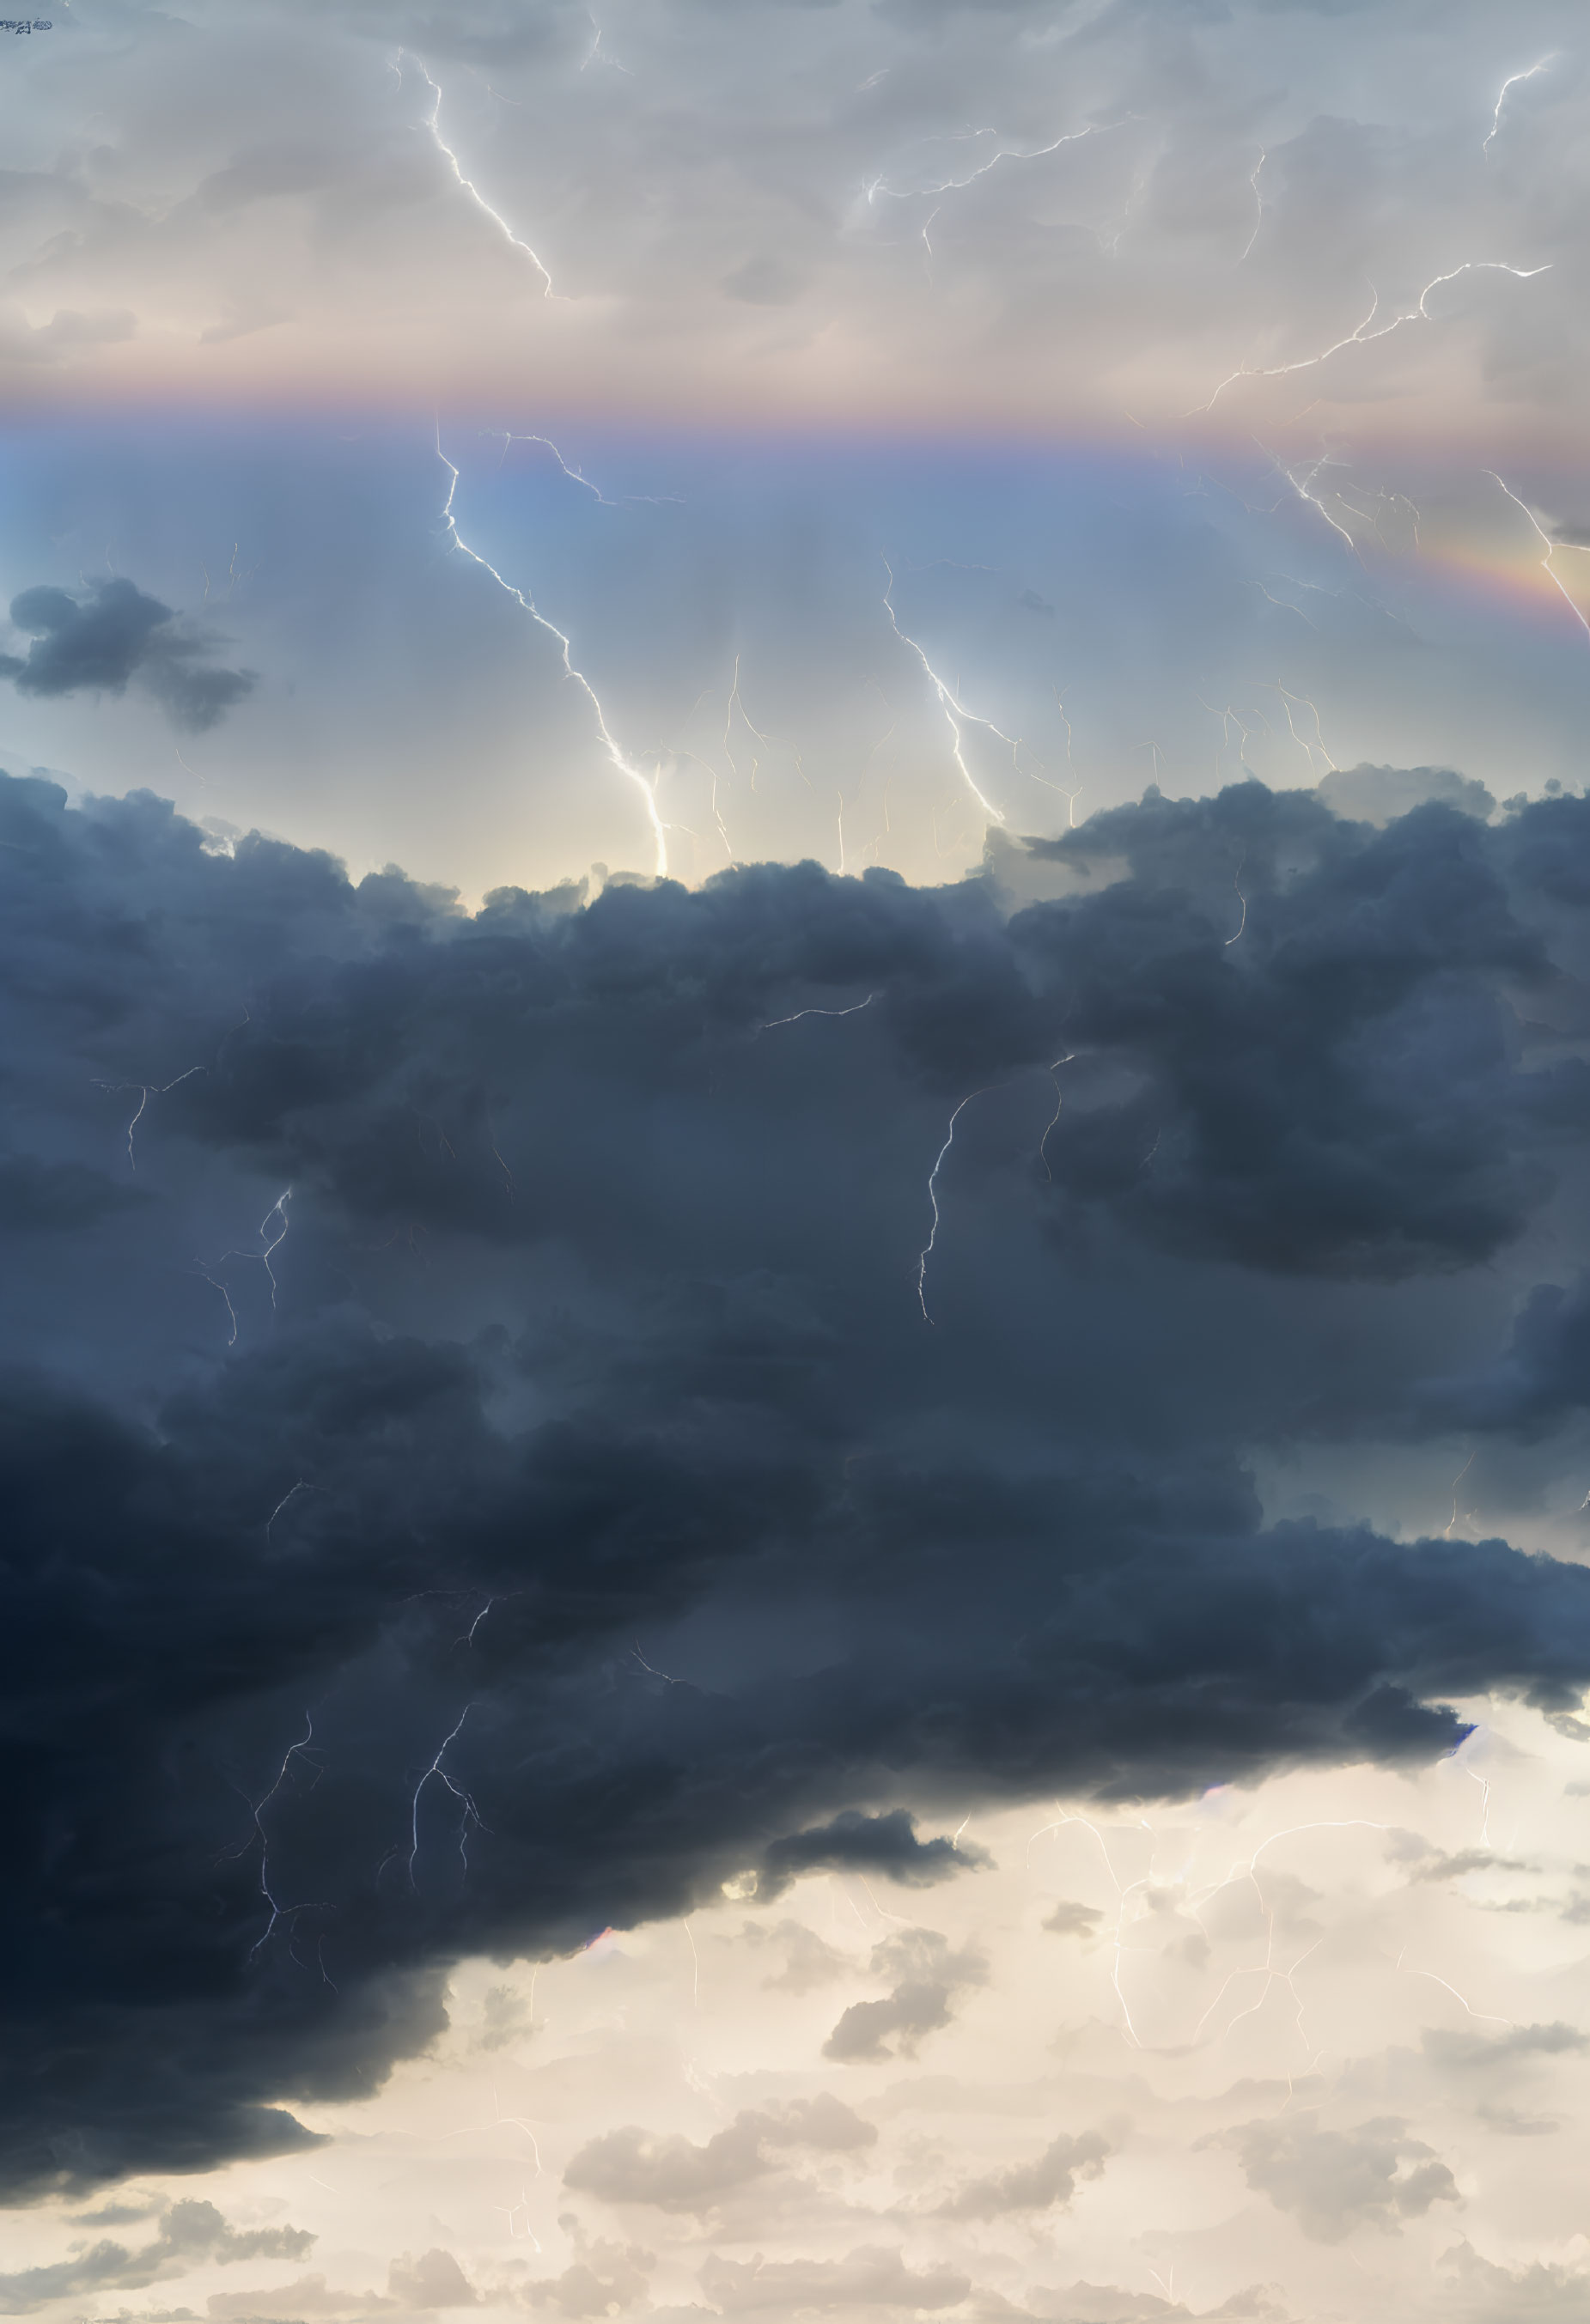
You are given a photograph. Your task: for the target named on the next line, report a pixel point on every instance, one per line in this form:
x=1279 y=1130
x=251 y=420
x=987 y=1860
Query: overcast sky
x=795 y=985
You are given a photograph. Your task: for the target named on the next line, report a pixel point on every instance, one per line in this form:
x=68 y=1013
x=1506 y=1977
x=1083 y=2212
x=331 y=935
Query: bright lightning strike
x=954 y=710
x=1550 y=547
x=1361 y=336
x=467 y=184
x=1512 y=81
x=631 y=773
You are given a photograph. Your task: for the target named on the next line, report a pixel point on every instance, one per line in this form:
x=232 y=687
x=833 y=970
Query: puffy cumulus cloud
x=550 y=1434
x=1335 y=2181
x=113 y=635
x=1041 y=2185
x=929 y=1974
x=189 y=2232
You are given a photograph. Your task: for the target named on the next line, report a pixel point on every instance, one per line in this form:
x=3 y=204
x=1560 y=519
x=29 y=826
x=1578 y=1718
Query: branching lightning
x=1362 y=335
x=471 y=1816
x=877 y=188
x=279 y=1911
x=631 y=773
x=954 y=709
x=146 y=1090
x=1550 y=547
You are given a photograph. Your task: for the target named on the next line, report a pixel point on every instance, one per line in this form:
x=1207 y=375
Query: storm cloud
x=539 y=1449
x=114 y=633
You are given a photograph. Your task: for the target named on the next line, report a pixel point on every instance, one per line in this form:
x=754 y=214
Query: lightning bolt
x=471 y=1815
x=146 y=1090
x=615 y=756
x=1259 y=202
x=1512 y=81
x=855 y=1011
x=953 y=709
x=279 y=1911
x=1361 y=336
x=1550 y=545
x=467 y=184
x=877 y=188
x=926 y=1252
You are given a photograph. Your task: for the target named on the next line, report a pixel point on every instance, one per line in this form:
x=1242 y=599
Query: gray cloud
x=873 y=2276
x=852 y=1842
x=1041 y=2185
x=189 y=2232
x=930 y=1975
x=631 y=2166
x=433 y=2281
x=113 y=635
x=596 y=1322
x=1333 y=2182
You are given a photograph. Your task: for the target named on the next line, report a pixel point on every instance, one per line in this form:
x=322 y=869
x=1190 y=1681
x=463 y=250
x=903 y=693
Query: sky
x=796 y=970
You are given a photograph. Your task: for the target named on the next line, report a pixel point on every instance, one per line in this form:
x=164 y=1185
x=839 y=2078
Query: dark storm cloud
x=862 y=1843
x=498 y=1481
x=114 y=634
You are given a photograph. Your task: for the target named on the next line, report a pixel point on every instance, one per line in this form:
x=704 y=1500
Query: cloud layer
x=548 y=1437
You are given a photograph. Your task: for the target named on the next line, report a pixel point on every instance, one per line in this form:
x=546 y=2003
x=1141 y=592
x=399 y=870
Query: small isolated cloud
x=870 y=2277
x=928 y=1976
x=102 y=640
x=1037 y=2186
x=853 y=1842
x=672 y=2173
x=1072 y=1920
x=1332 y=2180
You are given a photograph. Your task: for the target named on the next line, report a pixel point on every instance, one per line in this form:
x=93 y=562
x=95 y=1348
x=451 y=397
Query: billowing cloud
x=99 y=643
x=1335 y=2181
x=565 y=1415
x=628 y=2166
x=1047 y=2181
x=929 y=1974
x=851 y=1842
